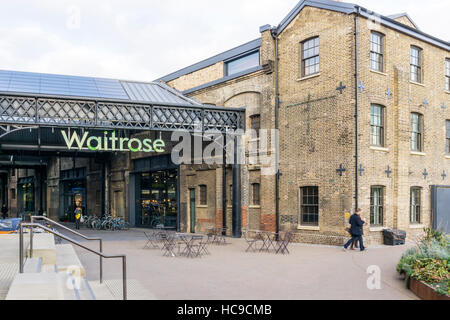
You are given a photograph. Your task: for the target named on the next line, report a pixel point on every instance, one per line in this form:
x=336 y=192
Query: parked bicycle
x=107 y=222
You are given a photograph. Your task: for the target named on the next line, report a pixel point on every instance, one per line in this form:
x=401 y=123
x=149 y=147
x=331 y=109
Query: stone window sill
x=379 y=149
x=417 y=83
x=416 y=153
x=378 y=72
x=310 y=228
x=446 y=91
x=376 y=229
x=309 y=77
x=254 y=207
x=447 y=157
x=416 y=226
x=202 y=206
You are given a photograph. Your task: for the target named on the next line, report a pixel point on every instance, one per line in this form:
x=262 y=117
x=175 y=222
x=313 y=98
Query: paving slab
x=308 y=272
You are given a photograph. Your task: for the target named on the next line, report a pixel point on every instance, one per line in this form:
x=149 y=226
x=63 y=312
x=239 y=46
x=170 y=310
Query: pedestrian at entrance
x=4 y=211
x=356 y=230
x=78 y=212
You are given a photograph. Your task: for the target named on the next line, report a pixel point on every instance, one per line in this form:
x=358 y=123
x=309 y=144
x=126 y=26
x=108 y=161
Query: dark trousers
x=353 y=239
x=77 y=224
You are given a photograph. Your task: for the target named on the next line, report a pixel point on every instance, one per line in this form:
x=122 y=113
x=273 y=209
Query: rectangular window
x=376 y=206
x=416 y=132
x=376 y=51
x=203 y=195
x=255 y=193
x=309 y=206
x=255 y=123
x=416 y=64
x=242 y=63
x=310 y=57
x=447 y=138
x=13 y=172
x=13 y=194
x=416 y=197
x=377 y=125
x=447 y=74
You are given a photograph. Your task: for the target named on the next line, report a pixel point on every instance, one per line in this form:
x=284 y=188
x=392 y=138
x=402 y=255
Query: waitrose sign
x=109 y=142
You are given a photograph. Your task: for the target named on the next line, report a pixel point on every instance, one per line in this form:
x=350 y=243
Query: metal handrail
x=71 y=231
x=37 y=225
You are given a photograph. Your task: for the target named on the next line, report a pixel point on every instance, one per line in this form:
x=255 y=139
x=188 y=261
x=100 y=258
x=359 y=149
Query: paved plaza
x=309 y=272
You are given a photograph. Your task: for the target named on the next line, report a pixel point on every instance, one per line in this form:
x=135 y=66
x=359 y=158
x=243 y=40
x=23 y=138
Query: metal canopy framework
x=44 y=100
x=26 y=110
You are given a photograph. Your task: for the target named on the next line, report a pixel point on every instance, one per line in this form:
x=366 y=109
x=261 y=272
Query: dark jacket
x=356 y=225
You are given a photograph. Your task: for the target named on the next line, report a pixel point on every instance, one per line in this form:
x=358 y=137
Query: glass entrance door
x=74 y=195
x=158 y=199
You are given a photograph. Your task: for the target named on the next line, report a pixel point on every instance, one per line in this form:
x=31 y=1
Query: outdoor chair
x=169 y=245
x=152 y=240
x=283 y=243
x=251 y=242
x=211 y=234
x=194 y=247
x=204 y=246
x=220 y=237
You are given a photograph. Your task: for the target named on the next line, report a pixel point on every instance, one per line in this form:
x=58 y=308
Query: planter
x=425 y=291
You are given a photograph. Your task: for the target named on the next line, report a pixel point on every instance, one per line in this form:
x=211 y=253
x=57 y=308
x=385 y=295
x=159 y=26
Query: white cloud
x=142 y=40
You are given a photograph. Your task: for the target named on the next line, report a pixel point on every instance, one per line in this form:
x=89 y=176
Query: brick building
x=401 y=93
x=361 y=102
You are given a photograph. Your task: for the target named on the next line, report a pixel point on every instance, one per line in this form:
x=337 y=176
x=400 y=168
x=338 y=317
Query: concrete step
x=67 y=259
x=36 y=286
x=32 y=265
x=101 y=291
x=67 y=286
x=44 y=247
x=49 y=268
x=135 y=290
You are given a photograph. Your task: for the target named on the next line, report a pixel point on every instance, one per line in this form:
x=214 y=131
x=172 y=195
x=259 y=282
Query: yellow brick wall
x=199 y=77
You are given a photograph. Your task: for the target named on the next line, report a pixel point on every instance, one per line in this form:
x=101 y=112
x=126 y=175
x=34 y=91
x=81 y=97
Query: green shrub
x=428 y=261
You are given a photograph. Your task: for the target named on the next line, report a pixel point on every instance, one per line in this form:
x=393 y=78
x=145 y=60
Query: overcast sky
x=143 y=40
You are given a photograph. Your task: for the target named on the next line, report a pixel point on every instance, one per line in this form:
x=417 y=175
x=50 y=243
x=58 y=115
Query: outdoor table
x=267 y=240
x=188 y=240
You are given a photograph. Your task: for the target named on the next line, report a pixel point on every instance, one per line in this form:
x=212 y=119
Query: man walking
x=356 y=230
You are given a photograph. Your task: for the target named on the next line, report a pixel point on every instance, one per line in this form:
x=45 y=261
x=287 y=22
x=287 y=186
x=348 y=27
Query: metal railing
x=37 y=225
x=71 y=231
